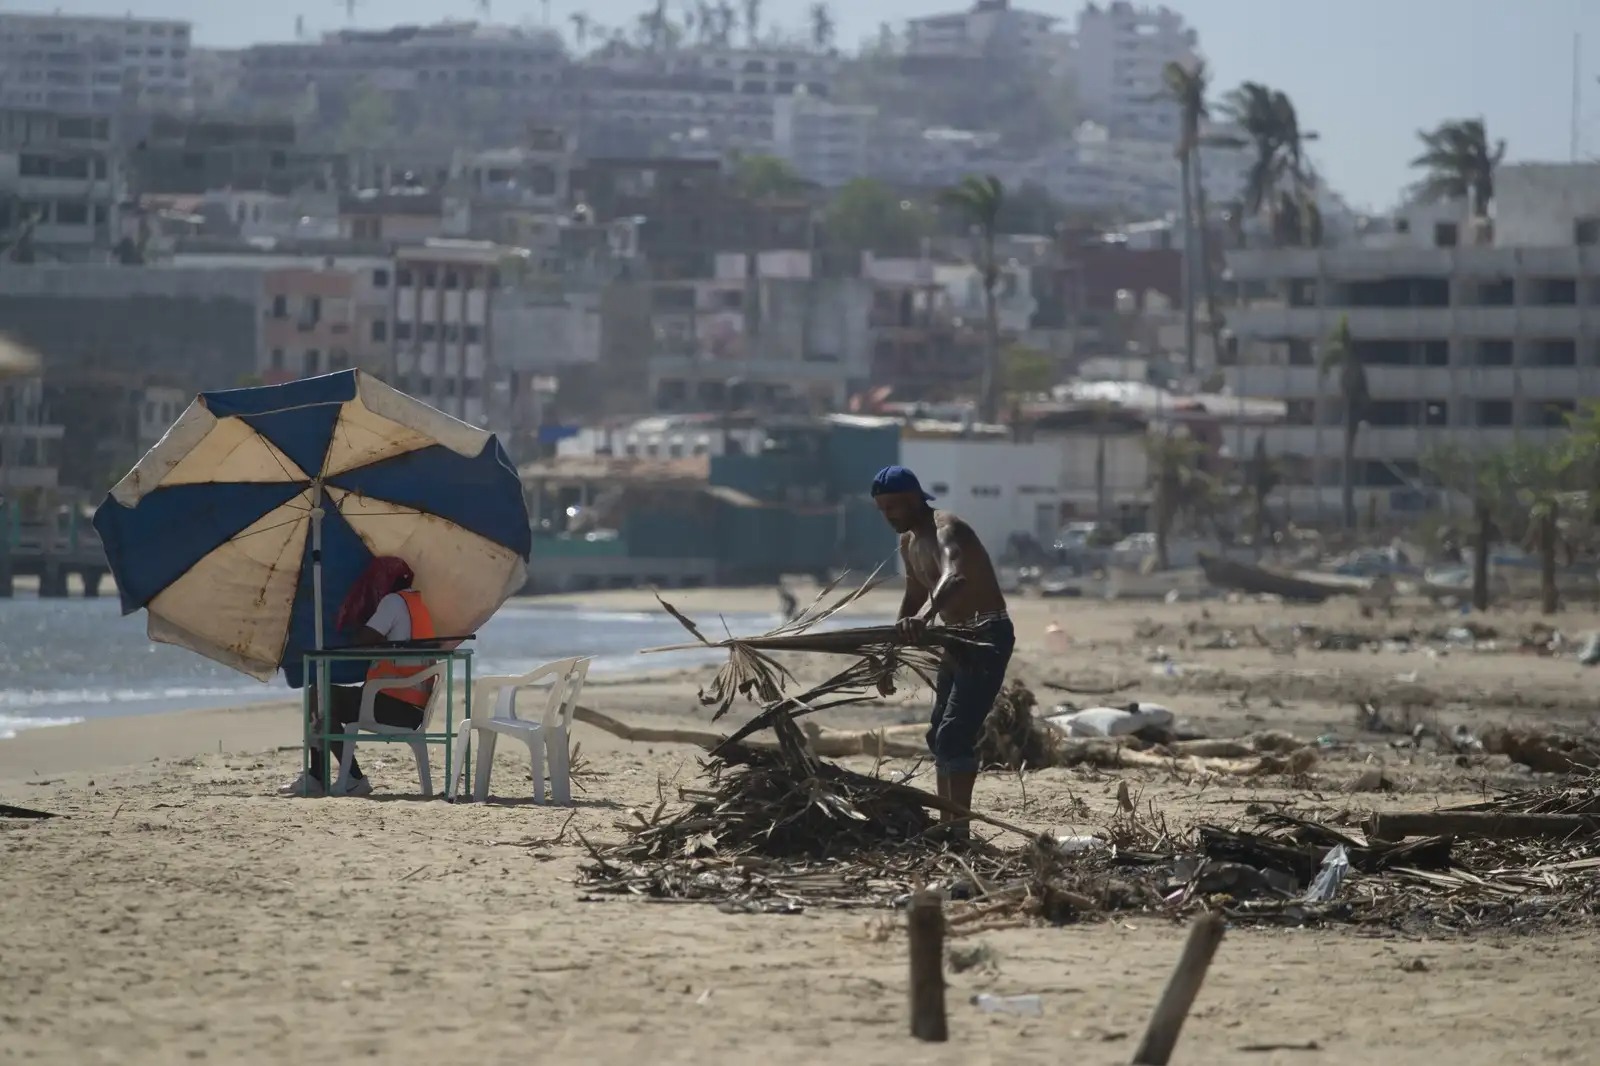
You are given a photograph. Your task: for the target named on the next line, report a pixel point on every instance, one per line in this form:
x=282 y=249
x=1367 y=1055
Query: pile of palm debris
x=764 y=837
x=779 y=829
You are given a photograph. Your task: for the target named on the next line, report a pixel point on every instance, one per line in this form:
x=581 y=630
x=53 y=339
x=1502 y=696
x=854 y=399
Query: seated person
x=393 y=612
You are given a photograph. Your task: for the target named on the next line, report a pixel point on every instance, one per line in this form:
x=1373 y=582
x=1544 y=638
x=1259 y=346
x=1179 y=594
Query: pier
x=52 y=556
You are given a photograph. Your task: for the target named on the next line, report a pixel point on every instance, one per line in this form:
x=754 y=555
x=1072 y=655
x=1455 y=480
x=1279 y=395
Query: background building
x=83 y=63
x=1466 y=339
x=1122 y=49
x=61 y=183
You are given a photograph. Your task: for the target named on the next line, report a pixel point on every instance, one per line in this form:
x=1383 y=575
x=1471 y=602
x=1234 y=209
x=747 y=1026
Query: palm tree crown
x=1458 y=161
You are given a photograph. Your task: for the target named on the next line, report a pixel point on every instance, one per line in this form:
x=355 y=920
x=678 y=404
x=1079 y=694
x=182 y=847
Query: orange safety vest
x=421 y=629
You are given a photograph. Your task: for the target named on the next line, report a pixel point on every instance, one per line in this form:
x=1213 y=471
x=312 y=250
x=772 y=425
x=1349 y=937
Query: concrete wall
x=998 y=487
x=1540 y=203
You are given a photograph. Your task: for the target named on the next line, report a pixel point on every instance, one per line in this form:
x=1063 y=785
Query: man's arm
x=952 y=565
x=916 y=593
x=910 y=603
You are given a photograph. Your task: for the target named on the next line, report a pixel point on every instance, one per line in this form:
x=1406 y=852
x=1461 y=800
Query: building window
x=452 y=333
x=1586 y=231
x=1494 y=353
x=72 y=213
x=280 y=307
x=339 y=360
x=402 y=331
x=1494 y=412
x=380 y=279
x=312 y=358
x=277 y=359
x=402 y=278
x=474 y=334
x=380 y=330
x=1562 y=352
x=451 y=280
x=430 y=278
x=428 y=332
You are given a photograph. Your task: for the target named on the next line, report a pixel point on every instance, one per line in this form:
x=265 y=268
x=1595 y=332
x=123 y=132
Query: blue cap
x=895 y=479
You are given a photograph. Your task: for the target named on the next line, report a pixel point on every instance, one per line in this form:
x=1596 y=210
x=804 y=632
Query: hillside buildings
x=85 y=63
x=61 y=183
x=1122 y=49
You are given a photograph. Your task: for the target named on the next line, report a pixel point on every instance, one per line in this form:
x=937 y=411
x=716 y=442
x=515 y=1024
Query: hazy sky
x=1365 y=74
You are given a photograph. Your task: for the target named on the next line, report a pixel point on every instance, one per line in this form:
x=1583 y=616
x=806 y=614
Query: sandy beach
x=178 y=911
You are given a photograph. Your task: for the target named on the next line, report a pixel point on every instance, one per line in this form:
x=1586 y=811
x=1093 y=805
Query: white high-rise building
x=83 y=64
x=1121 y=54
x=1472 y=334
x=991 y=29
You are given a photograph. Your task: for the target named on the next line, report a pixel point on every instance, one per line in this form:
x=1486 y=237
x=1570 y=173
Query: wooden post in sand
x=925 y=923
x=1162 y=1034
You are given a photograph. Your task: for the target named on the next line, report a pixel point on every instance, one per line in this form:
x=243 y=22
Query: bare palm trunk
x=1208 y=280
x=1549 y=594
x=1480 y=558
x=1100 y=471
x=1347 y=488
x=1185 y=176
x=991 y=361
x=1163 y=524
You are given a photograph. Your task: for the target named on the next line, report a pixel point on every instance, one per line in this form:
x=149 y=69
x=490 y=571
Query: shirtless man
x=949 y=573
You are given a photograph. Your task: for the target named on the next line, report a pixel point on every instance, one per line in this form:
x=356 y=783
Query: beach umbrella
x=258 y=499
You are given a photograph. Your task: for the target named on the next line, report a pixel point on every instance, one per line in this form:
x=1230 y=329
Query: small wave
x=27 y=699
x=10 y=726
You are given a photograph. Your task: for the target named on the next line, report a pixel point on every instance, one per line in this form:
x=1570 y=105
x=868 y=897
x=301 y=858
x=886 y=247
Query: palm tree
x=822 y=26
x=657 y=26
x=705 y=22
x=1187 y=86
x=1459 y=163
x=1542 y=479
x=1280 y=181
x=1339 y=354
x=581 y=24
x=980 y=201
x=752 y=21
x=722 y=31
x=1485 y=479
x=1179 y=485
x=1264 y=476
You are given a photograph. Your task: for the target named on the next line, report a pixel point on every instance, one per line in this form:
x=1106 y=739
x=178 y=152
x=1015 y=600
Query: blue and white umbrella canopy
x=213 y=532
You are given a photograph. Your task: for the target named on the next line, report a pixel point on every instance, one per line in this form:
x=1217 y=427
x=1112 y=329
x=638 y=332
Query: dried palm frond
x=753 y=673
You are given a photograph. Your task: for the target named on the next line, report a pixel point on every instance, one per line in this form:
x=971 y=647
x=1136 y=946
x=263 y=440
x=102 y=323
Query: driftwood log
x=1486 y=825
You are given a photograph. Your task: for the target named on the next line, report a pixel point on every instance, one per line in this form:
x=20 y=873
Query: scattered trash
x=1076 y=845
x=1112 y=721
x=1334 y=868
x=1590 y=653
x=1028 y=1006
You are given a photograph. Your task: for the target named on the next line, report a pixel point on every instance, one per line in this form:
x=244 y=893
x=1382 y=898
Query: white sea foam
x=11 y=725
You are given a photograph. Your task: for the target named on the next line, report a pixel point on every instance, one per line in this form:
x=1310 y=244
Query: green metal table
x=317 y=663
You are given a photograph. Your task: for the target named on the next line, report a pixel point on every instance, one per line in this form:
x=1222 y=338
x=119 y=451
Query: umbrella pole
x=318 y=668
x=316 y=560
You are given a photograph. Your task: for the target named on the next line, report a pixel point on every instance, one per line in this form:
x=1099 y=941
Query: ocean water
x=64 y=661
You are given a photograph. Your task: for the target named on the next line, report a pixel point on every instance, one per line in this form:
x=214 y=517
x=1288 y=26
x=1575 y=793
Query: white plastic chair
x=548 y=740
x=366 y=722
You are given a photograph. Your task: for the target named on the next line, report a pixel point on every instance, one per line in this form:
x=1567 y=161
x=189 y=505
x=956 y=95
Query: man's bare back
x=926 y=552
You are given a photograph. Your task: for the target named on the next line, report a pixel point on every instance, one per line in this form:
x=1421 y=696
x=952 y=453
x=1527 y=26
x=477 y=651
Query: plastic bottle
x=1028 y=1006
